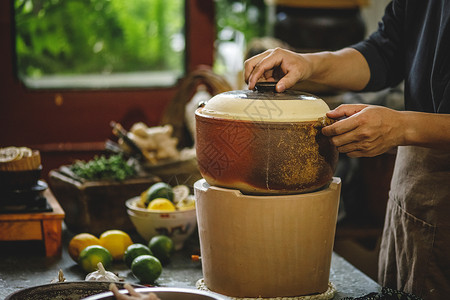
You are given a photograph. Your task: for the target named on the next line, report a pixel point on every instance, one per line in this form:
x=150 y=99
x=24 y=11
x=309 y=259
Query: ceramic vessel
x=178 y=225
x=266 y=246
x=263 y=142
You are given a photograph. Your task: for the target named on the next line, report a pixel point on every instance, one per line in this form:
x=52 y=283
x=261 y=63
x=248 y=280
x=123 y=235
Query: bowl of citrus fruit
x=163 y=209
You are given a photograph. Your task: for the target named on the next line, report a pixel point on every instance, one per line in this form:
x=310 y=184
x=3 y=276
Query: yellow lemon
x=116 y=241
x=161 y=204
x=79 y=242
x=142 y=200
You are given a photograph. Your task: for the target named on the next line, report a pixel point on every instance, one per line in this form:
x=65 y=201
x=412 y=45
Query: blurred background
x=69 y=68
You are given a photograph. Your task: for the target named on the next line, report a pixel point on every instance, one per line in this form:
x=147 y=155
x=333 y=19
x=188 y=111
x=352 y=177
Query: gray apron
x=415 y=247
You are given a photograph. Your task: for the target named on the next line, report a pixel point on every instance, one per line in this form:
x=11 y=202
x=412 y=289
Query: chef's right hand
x=278 y=64
x=133 y=294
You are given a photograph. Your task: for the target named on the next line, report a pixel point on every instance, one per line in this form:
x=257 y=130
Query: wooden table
x=44 y=226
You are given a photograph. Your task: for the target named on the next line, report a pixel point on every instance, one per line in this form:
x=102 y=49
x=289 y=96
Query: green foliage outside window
x=245 y=16
x=238 y=22
x=98 y=36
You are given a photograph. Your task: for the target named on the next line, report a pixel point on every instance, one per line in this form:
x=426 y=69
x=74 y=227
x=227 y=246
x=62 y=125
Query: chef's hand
x=278 y=64
x=364 y=130
x=133 y=294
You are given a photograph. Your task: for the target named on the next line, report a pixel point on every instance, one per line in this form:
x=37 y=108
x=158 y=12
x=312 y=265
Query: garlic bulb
x=102 y=275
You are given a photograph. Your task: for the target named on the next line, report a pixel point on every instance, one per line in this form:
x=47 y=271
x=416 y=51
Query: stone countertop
x=23 y=265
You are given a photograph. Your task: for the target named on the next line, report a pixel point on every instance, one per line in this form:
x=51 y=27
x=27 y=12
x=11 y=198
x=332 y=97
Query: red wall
x=66 y=125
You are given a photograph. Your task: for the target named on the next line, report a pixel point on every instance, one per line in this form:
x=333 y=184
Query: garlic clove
x=102 y=275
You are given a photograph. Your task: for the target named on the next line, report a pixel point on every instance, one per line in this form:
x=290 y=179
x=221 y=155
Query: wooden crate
x=96 y=206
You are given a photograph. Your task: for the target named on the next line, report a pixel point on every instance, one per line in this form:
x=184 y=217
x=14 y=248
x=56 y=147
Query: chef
x=412 y=44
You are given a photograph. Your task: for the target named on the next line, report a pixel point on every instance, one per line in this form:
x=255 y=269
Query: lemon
x=162 y=247
x=92 y=255
x=159 y=190
x=142 y=199
x=116 y=241
x=134 y=251
x=146 y=268
x=79 y=242
x=161 y=204
x=187 y=203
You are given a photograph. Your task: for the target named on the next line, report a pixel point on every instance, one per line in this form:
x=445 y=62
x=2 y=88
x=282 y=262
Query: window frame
x=69 y=124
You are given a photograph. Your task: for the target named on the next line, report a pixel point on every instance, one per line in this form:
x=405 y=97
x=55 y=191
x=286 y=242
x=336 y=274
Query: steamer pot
x=264 y=142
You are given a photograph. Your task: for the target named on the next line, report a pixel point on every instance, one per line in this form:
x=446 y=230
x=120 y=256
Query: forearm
x=344 y=69
x=426 y=129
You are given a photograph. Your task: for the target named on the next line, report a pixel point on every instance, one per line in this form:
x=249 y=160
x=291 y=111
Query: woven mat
x=328 y=294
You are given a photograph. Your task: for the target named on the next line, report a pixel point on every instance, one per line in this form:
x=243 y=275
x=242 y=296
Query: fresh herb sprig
x=102 y=168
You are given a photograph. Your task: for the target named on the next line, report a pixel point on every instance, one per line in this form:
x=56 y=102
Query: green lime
x=162 y=247
x=134 y=251
x=159 y=190
x=92 y=255
x=146 y=268
x=180 y=192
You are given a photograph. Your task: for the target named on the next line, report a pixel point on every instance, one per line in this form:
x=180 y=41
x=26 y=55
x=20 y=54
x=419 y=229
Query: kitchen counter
x=23 y=264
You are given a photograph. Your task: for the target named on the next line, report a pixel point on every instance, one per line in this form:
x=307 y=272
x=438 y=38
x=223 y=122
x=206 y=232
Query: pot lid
x=265 y=104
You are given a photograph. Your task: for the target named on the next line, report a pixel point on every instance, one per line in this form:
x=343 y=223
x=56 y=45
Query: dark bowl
x=19 y=179
x=74 y=290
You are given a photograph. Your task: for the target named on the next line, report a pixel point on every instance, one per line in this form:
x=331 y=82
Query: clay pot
x=263 y=142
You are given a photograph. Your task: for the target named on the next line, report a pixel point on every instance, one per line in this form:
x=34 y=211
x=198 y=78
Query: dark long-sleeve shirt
x=412 y=43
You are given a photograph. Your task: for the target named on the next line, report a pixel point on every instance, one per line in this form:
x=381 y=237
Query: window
x=238 y=22
x=67 y=124
x=99 y=43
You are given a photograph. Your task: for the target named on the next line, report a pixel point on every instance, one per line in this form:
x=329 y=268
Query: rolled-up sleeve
x=384 y=50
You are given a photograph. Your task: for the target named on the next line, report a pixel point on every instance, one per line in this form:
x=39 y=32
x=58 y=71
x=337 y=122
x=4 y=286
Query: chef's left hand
x=364 y=130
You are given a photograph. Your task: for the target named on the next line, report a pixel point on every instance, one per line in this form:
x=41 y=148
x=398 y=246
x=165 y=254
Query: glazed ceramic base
x=266 y=246
x=328 y=294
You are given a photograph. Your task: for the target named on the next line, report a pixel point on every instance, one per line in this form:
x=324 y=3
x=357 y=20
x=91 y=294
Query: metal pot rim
x=156 y=290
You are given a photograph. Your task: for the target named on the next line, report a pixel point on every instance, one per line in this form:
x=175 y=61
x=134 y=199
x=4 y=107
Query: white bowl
x=178 y=225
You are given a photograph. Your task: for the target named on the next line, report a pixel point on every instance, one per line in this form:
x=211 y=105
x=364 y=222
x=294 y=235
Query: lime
x=161 y=204
x=92 y=255
x=187 y=203
x=146 y=268
x=134 y=251
x=180 y=192
x=116 y=241
x=162 y=247
x=159 y=190
x=79 y=242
